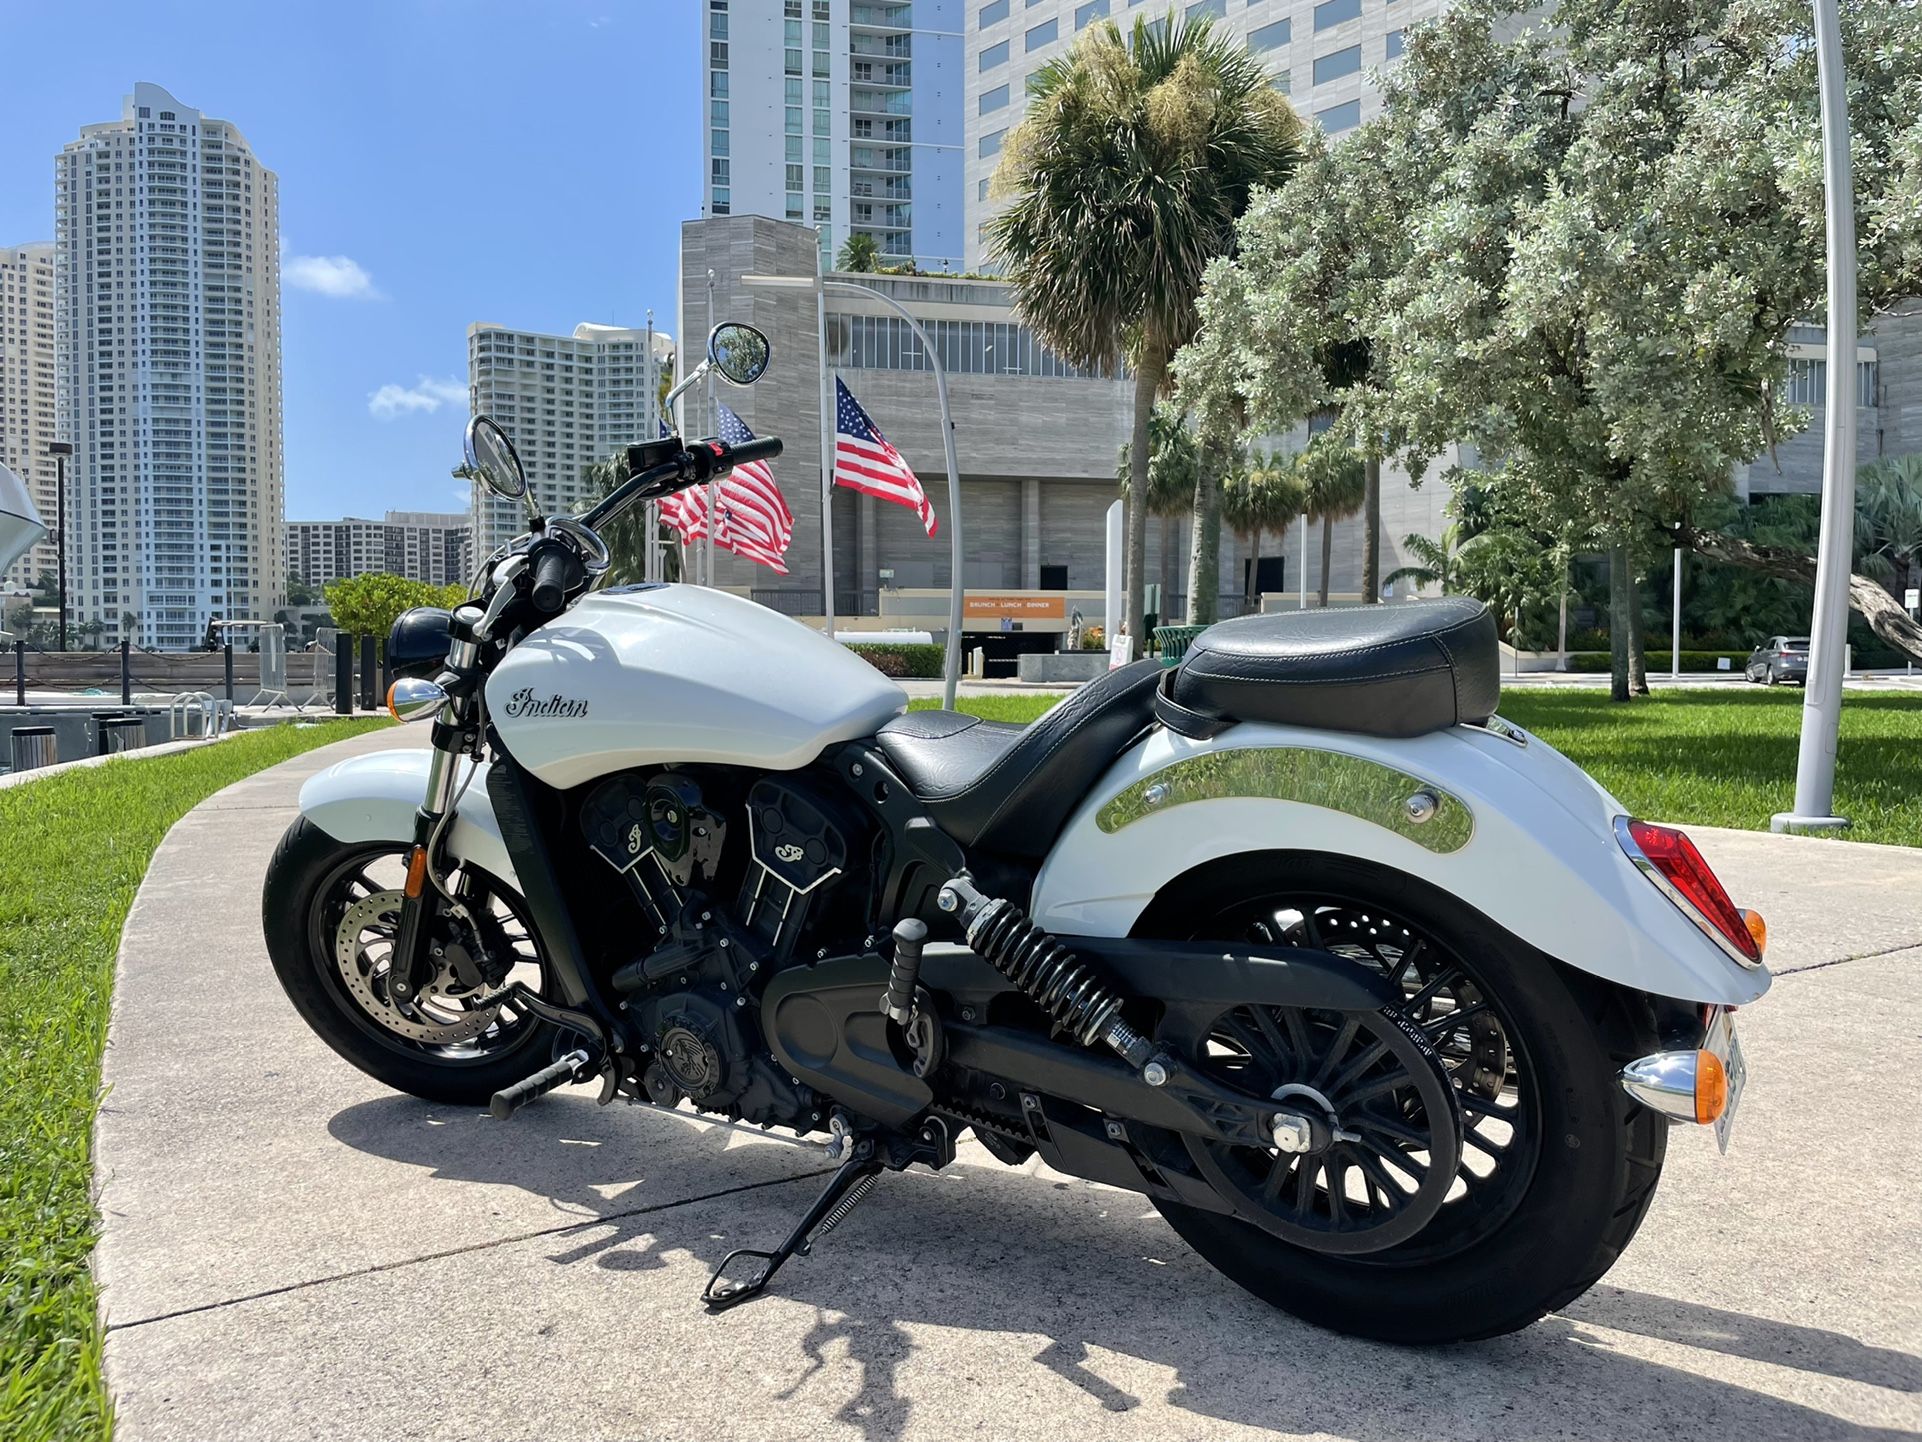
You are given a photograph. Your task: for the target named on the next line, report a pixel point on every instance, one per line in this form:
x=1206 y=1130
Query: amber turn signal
x=1711 y=1087
x=1757 y=928
x=416 y=872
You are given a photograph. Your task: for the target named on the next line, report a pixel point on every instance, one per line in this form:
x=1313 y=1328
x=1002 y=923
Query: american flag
x=754 y=519
x=864 y=461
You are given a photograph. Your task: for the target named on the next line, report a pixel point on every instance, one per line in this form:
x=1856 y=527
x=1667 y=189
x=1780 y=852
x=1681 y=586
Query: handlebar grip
x=762 y=448
x=510 y=1099
x=553 y=574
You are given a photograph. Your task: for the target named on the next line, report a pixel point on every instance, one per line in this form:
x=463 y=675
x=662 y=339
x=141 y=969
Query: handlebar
x=692 y=465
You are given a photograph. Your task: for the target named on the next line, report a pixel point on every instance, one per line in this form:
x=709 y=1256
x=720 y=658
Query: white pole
x=827 y=442
x=1822 y=695
x=713 y=487
x=650 y=555
x=957 y=589
x=1111 y=572
x=1675 y=624
x=1301 y=581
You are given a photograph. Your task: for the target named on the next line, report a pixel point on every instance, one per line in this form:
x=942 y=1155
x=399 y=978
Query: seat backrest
x=1033 y=789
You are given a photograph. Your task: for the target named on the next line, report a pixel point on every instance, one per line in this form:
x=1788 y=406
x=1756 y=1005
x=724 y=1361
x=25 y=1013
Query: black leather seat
x=1396 y=670
x=1008 y=789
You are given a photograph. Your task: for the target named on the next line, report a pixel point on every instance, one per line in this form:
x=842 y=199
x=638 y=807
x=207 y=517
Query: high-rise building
x=168 y=355
x=27 y=392
x=566 y=401
x=1322 y=53
x=429 y=546
x=841 y=114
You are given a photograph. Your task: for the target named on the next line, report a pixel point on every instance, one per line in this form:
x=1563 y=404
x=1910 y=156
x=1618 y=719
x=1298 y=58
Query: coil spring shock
x=1070 y=990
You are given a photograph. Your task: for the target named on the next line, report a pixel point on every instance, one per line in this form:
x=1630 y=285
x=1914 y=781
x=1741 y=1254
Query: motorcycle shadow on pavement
x=984 y=1247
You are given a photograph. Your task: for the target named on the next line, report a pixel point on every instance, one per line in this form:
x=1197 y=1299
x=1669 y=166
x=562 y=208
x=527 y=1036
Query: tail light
x=1669 y=859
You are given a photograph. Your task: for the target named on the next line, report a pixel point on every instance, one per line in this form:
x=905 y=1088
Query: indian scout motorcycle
x=1382 y=1002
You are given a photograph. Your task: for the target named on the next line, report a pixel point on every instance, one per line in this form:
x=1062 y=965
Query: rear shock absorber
x=1066 y=987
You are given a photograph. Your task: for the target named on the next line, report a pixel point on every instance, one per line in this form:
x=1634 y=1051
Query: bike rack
x=216 y=717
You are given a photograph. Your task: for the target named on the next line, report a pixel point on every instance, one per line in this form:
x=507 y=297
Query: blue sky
x=440 y=161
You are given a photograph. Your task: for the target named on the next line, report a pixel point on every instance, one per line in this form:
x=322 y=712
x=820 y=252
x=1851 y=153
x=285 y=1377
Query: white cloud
x=338 y=277
x=429 y=395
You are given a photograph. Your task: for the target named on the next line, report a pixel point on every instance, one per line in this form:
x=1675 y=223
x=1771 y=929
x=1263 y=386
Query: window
x=820 y=94
x=793 y=120
x=1394 y=45
x=717 y=26
x=1337 y=118
x=720 y=142
x=1043 y=34
x=822 y=154
x=822 y=177
x=991 y=144
x=717 y=84
x=791 y=32
x=794 y=150
x=793 y=90
x=717 y=54
x=1338 y=64
x=795 y=176
x=720 y=174
x=1271 y=37
x=1284 y=82
x=1335 y=12
x=992 y=14
x=820 y=36
x=1218 y=9
x=1093 y=10
x=994 y=55
x=717 y=111
x=981 y=189
x=995 y=99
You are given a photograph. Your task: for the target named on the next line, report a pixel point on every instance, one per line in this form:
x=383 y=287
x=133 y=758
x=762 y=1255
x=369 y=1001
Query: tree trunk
x=1251 y=583
x=1371 y=534
x=1875 y=605
x=1134 y=564
x=1204 y=556
x=1327 y=548
x=1618 y=621
x=1637 y=651
x=1169 y=525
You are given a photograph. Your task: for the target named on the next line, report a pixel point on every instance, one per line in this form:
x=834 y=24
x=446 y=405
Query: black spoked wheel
x=331 y=915
x=1382 y=1225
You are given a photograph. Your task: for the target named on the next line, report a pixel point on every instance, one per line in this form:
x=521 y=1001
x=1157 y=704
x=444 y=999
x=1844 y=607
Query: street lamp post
x=1828 y=633
x=60 y=450
x=951 y=669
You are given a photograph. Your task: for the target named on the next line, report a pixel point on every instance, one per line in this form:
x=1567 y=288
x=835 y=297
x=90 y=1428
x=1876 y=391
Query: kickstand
x=855 y=1179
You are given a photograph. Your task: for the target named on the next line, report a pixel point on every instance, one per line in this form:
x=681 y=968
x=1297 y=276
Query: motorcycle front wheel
x=1557 y=1165
x=331 y=910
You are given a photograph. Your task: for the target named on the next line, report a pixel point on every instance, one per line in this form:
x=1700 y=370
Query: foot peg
x=576 y=1066
x=855 y=1179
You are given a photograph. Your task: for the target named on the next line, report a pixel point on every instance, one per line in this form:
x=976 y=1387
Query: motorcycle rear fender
x=374 y=798
x=1539 y=857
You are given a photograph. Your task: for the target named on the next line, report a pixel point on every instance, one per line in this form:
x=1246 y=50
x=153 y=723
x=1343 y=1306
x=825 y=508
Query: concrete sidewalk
x=290 y=1251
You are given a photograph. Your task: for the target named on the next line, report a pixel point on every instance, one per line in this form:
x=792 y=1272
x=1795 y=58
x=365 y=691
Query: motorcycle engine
x=694 y=994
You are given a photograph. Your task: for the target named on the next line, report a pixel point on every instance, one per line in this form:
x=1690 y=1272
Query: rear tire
x=1572 y=1208
x=299 y=915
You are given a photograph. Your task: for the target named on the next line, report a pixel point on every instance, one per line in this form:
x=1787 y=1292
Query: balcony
x=880 y=102
x=881 y=17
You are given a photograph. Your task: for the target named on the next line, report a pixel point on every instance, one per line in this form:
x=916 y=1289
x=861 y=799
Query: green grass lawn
x=76 y=846
x=1713 y=756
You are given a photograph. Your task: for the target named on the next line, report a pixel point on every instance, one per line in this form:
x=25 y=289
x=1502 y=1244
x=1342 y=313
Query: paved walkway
x=292 y=1252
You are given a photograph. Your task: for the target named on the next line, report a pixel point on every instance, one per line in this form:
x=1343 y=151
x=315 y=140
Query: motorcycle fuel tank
x=652 y=675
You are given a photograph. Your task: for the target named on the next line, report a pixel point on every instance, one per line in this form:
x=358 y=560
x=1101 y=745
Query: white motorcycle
x=1382 y=1002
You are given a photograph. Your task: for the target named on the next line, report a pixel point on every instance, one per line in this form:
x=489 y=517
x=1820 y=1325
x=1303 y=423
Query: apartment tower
x=167 y=325
x=27 y=394
x=567 y=402
x=840 y=114
x=1322 y=53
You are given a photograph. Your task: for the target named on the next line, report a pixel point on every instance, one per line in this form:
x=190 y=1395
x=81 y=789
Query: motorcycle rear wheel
x=1538 y=1215
x=326 y=909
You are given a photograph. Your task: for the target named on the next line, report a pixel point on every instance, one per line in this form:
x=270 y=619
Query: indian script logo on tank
x=525 y=703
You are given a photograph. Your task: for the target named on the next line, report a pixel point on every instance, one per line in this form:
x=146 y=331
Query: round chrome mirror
x=739 y=352
x=491 y=455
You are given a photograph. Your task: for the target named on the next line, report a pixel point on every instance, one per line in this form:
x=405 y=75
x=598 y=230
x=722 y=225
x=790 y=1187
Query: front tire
x=1582 y=1159
x=324 y=910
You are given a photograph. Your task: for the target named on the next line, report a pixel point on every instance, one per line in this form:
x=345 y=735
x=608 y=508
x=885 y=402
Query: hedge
x=917 y=661
x=1658 y=661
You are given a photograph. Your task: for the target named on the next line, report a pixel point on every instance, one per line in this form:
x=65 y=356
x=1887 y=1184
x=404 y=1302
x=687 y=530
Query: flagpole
x=650 y=516
x=827 y=440
x=713 y=487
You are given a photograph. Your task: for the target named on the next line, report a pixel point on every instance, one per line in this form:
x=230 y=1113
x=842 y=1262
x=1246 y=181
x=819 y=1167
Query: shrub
x=919 y=662
x=1658 y=660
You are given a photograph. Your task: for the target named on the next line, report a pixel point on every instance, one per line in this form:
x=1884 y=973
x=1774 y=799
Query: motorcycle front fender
x=1504 y=822
x=374 y=798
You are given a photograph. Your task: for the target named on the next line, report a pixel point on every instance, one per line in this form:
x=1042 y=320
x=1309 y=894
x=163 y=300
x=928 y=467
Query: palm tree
x=1126 y=179
x=1263 y=495
x=1334 y=485
x=1437 y=559
x=627 y=538
x=860 y=253
x=1888 y=520
x=1173 y=462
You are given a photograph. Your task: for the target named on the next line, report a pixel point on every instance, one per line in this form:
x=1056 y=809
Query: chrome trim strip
x=1334 y=780
x=1496 y=726
x=1626 y=840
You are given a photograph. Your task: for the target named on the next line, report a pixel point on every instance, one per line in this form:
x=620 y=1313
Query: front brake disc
x=363 y=953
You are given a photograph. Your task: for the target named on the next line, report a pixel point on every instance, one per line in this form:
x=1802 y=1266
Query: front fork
x=413 y=966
